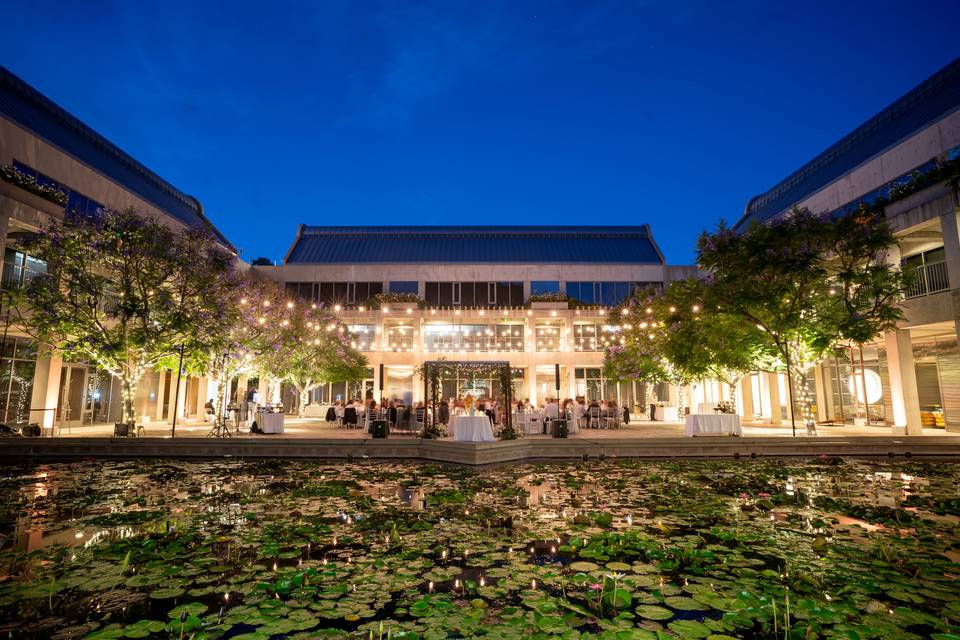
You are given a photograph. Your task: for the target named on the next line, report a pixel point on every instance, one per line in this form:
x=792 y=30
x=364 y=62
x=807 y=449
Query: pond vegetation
x=825 y=548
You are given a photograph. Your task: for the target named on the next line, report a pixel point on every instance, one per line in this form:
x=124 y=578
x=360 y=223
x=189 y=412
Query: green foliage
x=122 y=291
x=811 y=284
x=308 y=347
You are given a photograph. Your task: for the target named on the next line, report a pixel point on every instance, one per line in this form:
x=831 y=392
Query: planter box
x=550 y=305
x=400 y=305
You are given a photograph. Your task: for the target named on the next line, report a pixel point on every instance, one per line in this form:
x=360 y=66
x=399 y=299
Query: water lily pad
x=653 y=612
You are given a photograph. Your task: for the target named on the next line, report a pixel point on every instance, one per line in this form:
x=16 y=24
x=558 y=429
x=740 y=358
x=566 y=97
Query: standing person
x=443 y=412
x=551 y=412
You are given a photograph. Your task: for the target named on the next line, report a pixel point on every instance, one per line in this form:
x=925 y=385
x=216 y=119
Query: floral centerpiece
x=468 y=403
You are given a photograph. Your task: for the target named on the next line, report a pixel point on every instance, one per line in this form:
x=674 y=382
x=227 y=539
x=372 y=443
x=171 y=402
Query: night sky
x=673 y=113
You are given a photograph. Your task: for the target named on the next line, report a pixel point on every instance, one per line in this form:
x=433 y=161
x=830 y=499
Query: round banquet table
x=667 y=414
x=528 y=423
x=315 y=411
x=474 y=428
x=713 y=423
x=270 y=422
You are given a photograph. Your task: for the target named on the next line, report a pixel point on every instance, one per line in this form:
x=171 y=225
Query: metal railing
x=928 y=278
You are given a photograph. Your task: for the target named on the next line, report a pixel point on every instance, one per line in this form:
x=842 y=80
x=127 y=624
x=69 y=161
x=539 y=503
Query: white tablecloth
x=315 y=411
x=713 y=423
x=528 y=423
x=471 y=428
x=667 y=414
x=270 y=422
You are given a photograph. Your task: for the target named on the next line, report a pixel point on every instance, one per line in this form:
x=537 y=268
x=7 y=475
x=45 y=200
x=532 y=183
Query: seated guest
x=520 y=407
x=338 y=410
x=371 y=416
x=350 y=415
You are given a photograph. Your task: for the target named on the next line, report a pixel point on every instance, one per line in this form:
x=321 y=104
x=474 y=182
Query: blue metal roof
x=30 y=109
x=934 y=98
x=474 y=244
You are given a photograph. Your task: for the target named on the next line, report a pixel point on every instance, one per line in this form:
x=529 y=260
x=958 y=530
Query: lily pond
x=823 y=548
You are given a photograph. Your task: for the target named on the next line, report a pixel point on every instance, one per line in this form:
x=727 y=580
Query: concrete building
x=897 y=158
x=473 y=295
x=71 y=167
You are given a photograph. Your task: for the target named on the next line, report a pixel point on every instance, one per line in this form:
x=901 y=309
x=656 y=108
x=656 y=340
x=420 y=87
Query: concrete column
x=45 y=399
x=821 y=392
x=161 y=390
x=745 y=398
x=773 y=393
x=177 y=399
x=4 y=227
x=571 y=382
x=263 y=388
x=903 y=383
x=951 y=246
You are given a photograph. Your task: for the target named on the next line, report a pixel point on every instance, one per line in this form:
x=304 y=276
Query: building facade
x=477 y=294
x=51 y=162
x=901 y=160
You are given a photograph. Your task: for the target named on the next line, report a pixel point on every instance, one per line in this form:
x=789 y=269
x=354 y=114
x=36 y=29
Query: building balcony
x=927 y=279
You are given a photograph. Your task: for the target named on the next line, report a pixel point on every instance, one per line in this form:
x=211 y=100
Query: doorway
x=73 y=408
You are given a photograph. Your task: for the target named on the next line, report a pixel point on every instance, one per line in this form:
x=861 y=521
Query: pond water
x=824 y=548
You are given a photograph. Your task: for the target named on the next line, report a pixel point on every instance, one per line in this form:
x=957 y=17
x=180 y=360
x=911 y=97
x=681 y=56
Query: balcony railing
x=927 y=279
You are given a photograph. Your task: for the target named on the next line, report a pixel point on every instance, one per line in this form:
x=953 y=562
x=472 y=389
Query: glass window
x=544 y=286
x=468 y=297
x=404 y=286
x=549 y=337
x=16 y=379
x=362 y=336
x=574 y=293
x=431 y=293
x=593 y=337
x=439 y=337
x=446 y=294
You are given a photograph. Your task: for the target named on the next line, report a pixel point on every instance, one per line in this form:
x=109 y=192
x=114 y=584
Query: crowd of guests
x=579 y=410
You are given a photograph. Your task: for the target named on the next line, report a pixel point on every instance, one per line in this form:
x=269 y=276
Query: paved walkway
x=313 y=428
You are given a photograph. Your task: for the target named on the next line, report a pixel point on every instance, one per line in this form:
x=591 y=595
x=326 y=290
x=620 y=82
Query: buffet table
x=270 y=422
x=474 y=428
x=713 y=424
x=666 y=414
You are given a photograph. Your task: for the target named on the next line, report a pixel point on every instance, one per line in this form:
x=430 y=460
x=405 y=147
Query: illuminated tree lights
x=122 y=291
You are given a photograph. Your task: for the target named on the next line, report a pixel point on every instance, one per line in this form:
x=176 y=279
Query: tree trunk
x=218 y=405
x=128 y=388
x=681 y=406
x=793 y=421
x=733 y=393
x=304 y=399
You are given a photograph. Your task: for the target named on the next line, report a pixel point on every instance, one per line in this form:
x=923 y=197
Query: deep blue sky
x=359 y=112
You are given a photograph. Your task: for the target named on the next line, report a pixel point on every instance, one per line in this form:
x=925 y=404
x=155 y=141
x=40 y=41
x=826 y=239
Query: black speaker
x=380 y=386
x=556 y=375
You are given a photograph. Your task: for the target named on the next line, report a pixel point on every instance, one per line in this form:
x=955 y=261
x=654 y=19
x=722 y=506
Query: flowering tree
x=122 y=291
x=248 y=326
x=809 y=283
x=309 y=347
x=637 y=356
x=703 y=340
